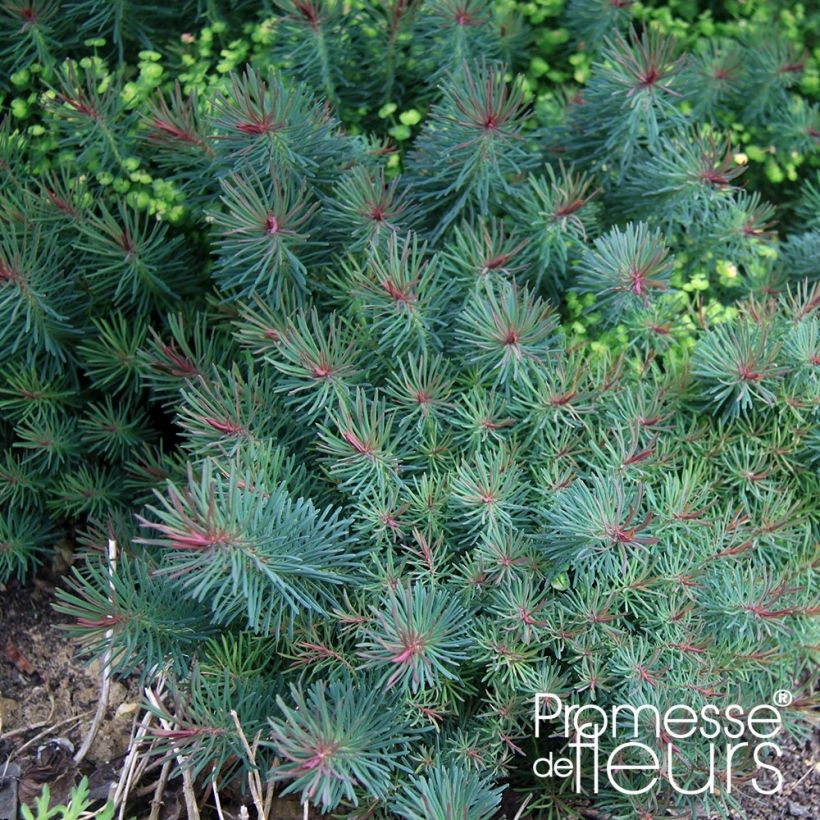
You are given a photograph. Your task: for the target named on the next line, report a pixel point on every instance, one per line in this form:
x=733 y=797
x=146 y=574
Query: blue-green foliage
x=406 y=385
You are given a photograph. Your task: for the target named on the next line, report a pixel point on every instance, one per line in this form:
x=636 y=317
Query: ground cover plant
x=409 y=384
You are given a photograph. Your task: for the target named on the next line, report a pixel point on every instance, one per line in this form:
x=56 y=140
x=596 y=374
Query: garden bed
x=48 y=693
x=388 y=364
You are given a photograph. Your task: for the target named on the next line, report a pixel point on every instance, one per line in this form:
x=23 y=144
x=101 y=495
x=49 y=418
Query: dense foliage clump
x=409 y=386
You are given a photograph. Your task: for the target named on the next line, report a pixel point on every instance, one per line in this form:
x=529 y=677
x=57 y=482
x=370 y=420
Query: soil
x=800 y=765
x=45 y=689
x=48 y=698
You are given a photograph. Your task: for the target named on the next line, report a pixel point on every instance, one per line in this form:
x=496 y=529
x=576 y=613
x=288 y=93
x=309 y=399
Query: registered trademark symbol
x=783 y=697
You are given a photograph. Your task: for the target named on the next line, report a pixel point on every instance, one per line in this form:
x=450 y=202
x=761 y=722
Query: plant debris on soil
x=47 y=702
x=800 y=765
x=48 y=697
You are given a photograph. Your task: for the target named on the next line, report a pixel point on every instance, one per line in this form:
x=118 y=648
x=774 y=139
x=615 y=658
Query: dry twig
x=134 y=765
x=187 y=781
x=50 y=730
x=23 y=729
x=217 y=801
x=106 y=664
x=254 y=779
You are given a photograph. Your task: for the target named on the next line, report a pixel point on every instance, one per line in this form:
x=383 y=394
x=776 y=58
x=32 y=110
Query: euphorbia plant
x=391 y=440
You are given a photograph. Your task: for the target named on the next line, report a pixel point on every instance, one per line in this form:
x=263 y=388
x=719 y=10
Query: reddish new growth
x=639 y=274
x=186 y=734
x=382 y=208
x=650 y=76
x=434 y=715
x=8 y=273
x=176 y=122
x=29 y=15
x=413 y=646
x=61 y=204
x=646 y=676
x=195 y=537
x=564 y=210
x=127 y=244
x=714 y=177
x=174 y=131
x=639 y=456
x=488 y=104
x=175 y=363
x=425 y=550
x=756 y=228
x=508 y=653
x=499 y=261
x=795 y=67
x=572 y=195
x=262 y=125
x=491 y=122
x=319 y=760
x=390 y=521
x=646 y=62
x=79 y=100
x=512 y=337
x=689 y=648
x=497 y=254
x=315 y=651
x=228 y=427
x=356 y=443
x=748 y=374
x=492 y=424
x=403 y=296
x=81 y=106
x=716 y=163
x=507 y=561
x=764 y=608
x=106 y=622
x=271 y=225
x=625 y=533
x=640 y=279
x=724 y=71
x=307 y=12
x=528 y=618
x=461 y=13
